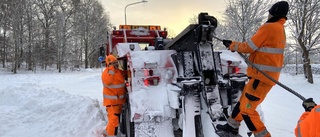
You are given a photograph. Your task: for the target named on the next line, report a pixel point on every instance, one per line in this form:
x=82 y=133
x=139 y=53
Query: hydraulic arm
x=198 y=69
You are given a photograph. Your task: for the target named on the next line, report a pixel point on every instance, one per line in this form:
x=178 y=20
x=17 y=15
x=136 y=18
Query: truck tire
x=126 y=124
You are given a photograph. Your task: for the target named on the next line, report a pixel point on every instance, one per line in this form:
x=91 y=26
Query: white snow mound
x=48 y=112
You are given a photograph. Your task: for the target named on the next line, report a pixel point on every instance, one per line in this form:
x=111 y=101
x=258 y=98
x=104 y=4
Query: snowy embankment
x=37 y=105
x=39 y=111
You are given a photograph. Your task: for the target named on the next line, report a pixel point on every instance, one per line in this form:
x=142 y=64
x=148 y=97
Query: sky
x=172 y=14
x=69 y=104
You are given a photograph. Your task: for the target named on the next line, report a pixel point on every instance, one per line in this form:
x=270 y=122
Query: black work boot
x=228 y=128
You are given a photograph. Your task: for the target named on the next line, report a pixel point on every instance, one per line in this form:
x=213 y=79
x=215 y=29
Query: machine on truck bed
x=179 y=88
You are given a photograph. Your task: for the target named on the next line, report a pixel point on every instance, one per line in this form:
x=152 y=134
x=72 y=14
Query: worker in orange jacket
x=113 y=94
x=266 y=49
x=308 y=124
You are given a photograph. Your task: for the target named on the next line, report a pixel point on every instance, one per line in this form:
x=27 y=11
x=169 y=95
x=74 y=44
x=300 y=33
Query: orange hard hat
x=110 y=58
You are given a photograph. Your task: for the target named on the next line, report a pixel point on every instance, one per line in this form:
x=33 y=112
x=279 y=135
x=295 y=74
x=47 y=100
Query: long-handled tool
x=268 y=76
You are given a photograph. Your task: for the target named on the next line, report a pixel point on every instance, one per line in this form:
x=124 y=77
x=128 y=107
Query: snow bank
x=31 y=110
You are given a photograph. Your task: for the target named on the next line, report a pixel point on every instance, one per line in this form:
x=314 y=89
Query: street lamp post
x=125 y=9
x=296 y=61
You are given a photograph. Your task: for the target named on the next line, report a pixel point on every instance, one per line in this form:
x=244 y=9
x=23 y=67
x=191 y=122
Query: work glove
x=308 y=104
x=226 y=43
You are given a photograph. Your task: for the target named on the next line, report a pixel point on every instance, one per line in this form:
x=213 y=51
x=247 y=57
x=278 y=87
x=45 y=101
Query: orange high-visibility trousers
x=253 y=94
x=114 y=112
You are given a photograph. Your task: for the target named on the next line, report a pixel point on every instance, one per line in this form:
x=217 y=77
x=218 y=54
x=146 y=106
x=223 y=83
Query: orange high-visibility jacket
x=308 y=124
x=113 y=86
x=266 y=48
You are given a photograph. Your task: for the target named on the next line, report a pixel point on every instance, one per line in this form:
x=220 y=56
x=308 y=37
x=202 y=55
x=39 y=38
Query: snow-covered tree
x=18 y=41
x=243 y=17
x=304 y=18
x=193 y=19
x=31 y=32
x=63 y=26
x=46 y=13
x=171 y=33
x=5 y=13
x=92 y=25
x=51 y=32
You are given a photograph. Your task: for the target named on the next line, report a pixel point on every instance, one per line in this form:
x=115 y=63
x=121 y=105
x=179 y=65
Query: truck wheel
x=127 y=124
x=122 y=121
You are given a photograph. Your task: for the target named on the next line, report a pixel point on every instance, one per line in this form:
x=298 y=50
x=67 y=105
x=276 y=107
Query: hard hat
x=110 y=58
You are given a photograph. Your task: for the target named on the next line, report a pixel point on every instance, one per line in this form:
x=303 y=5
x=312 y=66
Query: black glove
x=308 y=104
x=226 y=43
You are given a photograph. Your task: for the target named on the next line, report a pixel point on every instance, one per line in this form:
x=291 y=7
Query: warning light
x=163 y=34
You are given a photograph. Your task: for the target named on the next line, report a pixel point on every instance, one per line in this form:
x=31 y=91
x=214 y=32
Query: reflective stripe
x=233 y=123
x=235 y=48
x=317 y=110
x=111 y=72
x=262 y=133
x=252 y=45
x=268 y=68
x=265 y=49
x=114 y=86
x=113 y=97
x=299 y=130
x=271 y=50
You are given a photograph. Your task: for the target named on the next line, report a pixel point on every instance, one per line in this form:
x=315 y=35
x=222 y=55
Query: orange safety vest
x=308 y=124
x=113 y=87
x=266 y=48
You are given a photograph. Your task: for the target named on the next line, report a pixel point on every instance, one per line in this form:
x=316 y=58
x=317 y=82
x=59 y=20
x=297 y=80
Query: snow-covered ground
x=69 y=104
